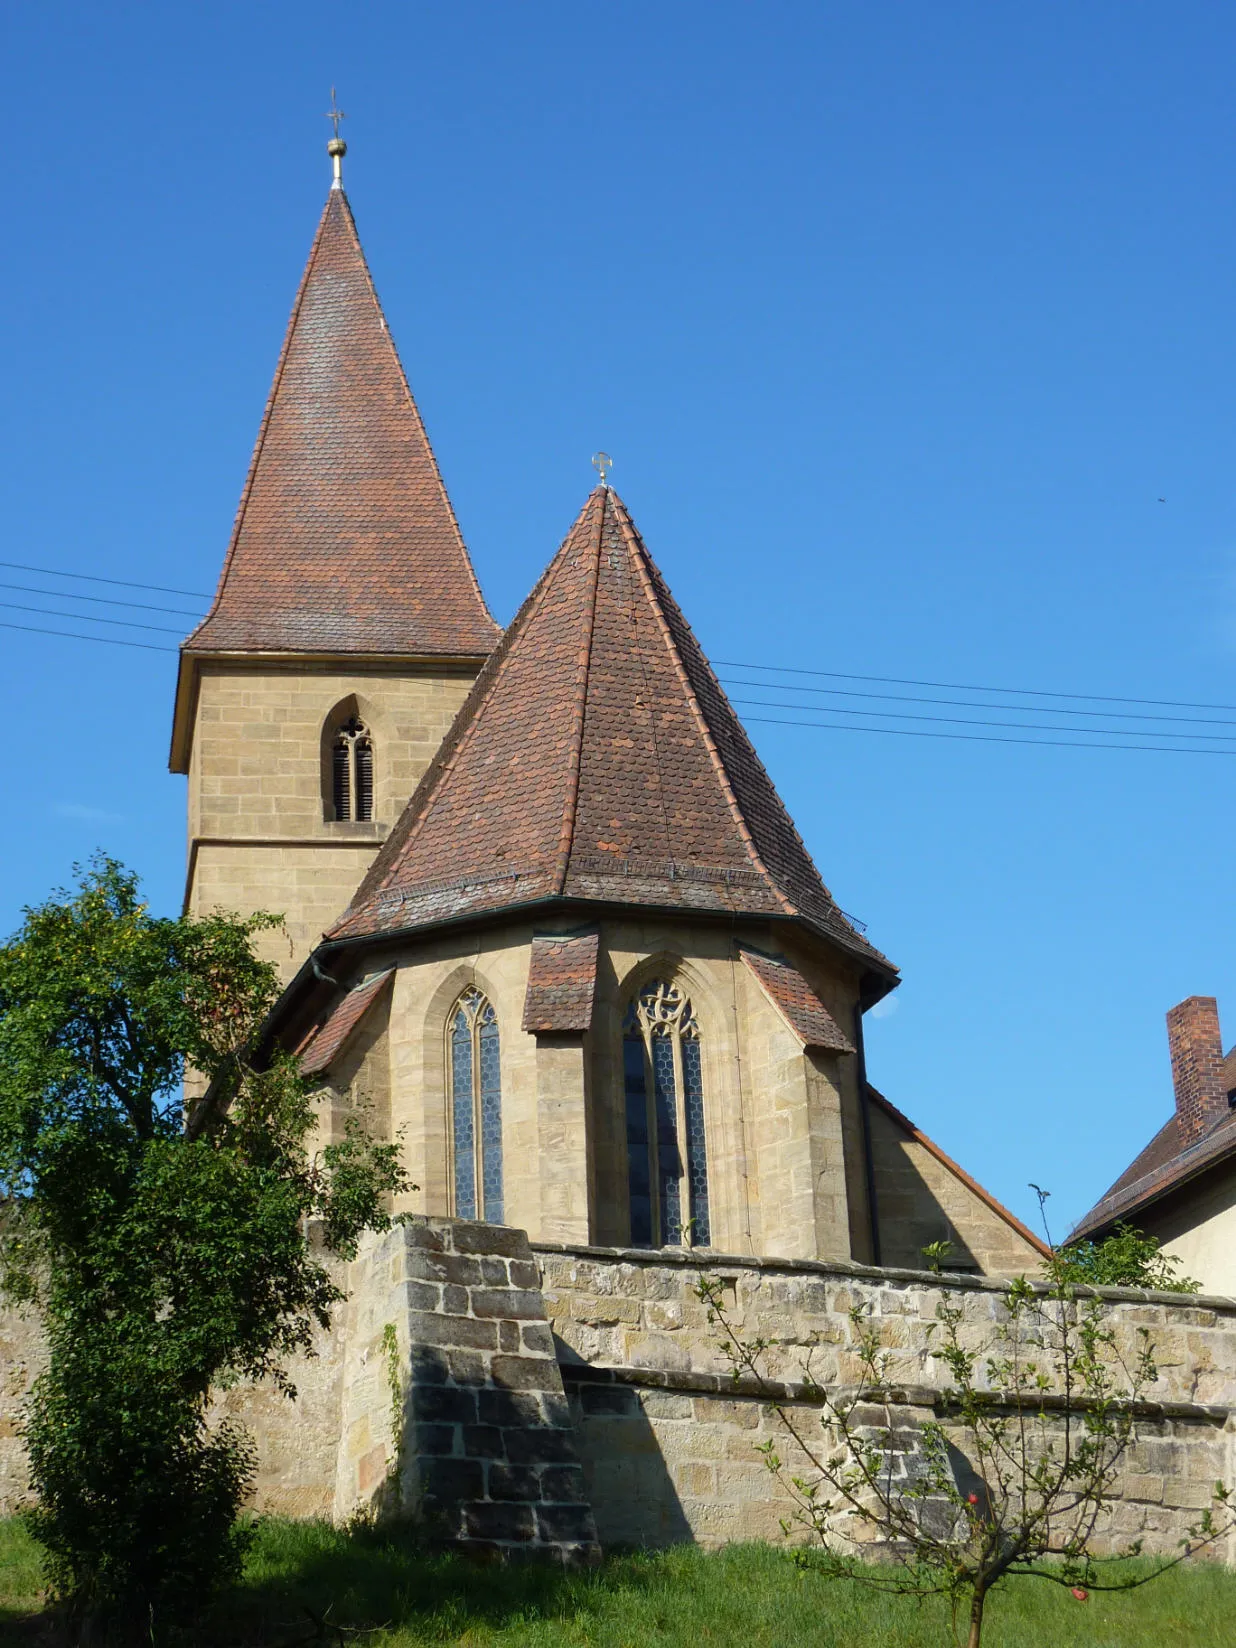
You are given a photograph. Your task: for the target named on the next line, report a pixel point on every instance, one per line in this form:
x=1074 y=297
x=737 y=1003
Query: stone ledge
x=708 y=1259
x=747 y=1388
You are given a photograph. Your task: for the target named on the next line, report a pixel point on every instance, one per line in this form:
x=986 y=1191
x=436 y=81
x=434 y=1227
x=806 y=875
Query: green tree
x=1126 y=1258
x=1014 y=1474
x=168 y=1250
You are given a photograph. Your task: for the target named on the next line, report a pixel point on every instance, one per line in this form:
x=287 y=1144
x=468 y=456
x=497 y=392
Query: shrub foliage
x=1126 y=1258
x=167 y=1250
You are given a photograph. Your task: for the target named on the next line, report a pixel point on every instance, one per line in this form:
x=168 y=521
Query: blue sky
x=898 y=322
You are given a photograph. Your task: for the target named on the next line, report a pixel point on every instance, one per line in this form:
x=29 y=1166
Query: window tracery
x=476 y=1109
x=666 y=1148
x=352 y=771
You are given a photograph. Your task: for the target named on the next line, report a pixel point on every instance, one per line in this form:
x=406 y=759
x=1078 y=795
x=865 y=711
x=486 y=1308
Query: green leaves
x=167 y=1260
x=1126 y=1258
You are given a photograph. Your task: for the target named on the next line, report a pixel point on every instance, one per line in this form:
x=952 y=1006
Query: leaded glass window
x=476 y=1109
x=667 y=1158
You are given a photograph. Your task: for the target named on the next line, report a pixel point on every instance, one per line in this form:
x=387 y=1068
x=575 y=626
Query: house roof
x=1159 y=1169
x=324 y=1044
x=797 y=1003
x=345 y=540
x=562 y=983
x=597 y=758
x=945 y=1160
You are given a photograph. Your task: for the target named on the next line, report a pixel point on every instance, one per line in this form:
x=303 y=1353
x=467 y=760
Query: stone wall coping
x=706 y=1259
x=910 y=1396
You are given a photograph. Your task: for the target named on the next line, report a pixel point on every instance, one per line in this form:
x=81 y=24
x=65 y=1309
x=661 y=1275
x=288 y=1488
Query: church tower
x=347 y=627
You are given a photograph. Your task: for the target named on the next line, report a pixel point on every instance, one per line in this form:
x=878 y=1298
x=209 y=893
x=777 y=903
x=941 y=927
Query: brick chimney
x=1197 y=1067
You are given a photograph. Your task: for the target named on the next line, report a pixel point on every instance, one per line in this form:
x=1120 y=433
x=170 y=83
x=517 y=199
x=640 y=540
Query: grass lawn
x=749 y=1596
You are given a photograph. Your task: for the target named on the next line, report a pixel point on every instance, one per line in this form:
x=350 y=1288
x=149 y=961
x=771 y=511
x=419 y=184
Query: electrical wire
x=103 y=640
x=94 y=578
x=89 y=618
x=964 y=721
x=975 y=704
x=1104 y=737
x=987 y=738
x=962 y=686
x=137 y=606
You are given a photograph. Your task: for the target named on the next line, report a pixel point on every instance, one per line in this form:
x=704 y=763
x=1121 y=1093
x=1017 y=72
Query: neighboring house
x=1182 y=1187
x=547 y=917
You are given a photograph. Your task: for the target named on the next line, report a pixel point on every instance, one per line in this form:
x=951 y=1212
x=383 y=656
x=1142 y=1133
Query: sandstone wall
x=21 y=1359
x=923 y=1199
x=784 y=1136
x=668 y=1442
x=259 y=837
x=453 y=1408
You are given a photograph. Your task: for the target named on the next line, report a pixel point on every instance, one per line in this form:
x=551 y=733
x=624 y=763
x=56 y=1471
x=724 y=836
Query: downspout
x=864 y=1111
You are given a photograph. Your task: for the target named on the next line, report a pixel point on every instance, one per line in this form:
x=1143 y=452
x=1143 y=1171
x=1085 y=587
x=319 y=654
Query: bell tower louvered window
x=352 y=771
x=667 y=1162
x=476 y=1109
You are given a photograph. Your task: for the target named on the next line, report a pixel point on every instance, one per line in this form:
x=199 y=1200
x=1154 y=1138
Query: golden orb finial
x=336 y=148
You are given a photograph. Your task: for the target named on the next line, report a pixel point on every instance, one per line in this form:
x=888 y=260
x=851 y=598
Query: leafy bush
x=167 y=1252
x=1126 y=1258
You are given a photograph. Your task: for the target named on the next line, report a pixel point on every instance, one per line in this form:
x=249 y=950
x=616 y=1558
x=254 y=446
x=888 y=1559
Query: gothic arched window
x=663 y=1079
x=476 y=1109
x=351 y=771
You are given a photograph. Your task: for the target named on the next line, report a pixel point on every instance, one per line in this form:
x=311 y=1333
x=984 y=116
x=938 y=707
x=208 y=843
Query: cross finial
x=602 y=463
x=336 y=148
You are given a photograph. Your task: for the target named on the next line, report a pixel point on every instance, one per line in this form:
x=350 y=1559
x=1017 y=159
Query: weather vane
x=602 y=463
x=336 y=148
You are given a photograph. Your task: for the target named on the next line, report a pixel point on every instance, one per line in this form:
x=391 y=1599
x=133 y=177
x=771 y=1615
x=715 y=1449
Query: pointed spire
x=345 y=540
x=596 y=758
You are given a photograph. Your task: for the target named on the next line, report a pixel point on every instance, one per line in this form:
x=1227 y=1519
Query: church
x=548 y=925
x=549 y=928
x=547 y=919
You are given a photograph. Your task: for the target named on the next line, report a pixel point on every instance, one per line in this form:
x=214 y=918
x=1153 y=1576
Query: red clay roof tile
x=596 y=758
x=327 y=1042
x=345 y=540
x=945 y=1160
x=562 y=981
x=1161 y=1167
x=797 y=1003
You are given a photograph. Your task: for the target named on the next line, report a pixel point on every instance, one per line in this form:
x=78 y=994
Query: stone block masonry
x=668 y=1440
x=547 y=1400
x=453 y=1404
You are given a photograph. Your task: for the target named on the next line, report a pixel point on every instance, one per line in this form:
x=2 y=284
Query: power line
x=103 y=640
x=93 y=578
x=974 y=704
x=986 y=738
x=766 y=720
x=110 y=601
x=88 y=618
x=1091 y=699
x=963 y=721
x=962 y=686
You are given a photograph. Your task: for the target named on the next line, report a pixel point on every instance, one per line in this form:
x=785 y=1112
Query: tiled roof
x=797 y=1003
x=1161 y=1167
x=345 y=540
x=945 y=1160
x=596 y=758
x=562 y=981
x=327 y=1042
